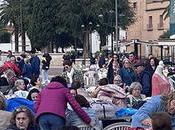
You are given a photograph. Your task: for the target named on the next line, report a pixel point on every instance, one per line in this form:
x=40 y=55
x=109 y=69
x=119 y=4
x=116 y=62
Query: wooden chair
x=118 y=126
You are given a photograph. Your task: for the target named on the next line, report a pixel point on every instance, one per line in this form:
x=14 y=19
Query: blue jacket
x=145 y=80
x=27 y=71
x=128 y=76
x=35 y=63
x=72 y=119
x=155 y=104
x=101 y=62
x=14 y=103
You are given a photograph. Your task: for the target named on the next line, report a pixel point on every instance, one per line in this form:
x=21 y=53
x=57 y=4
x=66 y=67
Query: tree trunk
x=56 y=49
x=62 y=48
x=48 y=47
x=85 y=46
x=16 y=32
x=102 y=40
x=23 y=40
x=52 y=47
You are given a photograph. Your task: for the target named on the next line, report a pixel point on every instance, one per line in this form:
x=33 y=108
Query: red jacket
x=11 y=65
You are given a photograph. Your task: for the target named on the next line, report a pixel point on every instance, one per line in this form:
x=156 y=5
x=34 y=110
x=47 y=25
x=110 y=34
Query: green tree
x=63 y=40
x=9 y=14
x=165 y=35
x=74 y=13
x=41 y=30
x=12 y=12
x=48 y=19
x=167 y=10
x=4 y=35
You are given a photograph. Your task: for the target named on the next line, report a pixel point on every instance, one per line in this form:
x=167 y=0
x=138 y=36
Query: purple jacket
x=53 y=99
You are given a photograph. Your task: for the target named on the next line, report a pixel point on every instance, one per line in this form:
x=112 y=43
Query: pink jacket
x=160 y=86
x=53 y=99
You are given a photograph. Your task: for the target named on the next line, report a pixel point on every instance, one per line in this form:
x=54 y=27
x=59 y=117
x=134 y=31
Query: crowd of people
x=129 y=82
x=30 y=100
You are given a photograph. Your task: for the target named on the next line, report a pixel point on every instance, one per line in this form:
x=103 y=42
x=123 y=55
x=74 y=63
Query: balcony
x=149 y=27
x=160 y=26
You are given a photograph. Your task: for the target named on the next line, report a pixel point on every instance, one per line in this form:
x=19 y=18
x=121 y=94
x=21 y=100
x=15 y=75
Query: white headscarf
x=159 y=69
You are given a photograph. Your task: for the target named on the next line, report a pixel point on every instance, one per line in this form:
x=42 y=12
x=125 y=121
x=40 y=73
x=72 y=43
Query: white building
x=11 y=45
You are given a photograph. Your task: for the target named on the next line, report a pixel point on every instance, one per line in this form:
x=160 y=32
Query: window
x=161 y=21
x=160 y=24
x=150 y=24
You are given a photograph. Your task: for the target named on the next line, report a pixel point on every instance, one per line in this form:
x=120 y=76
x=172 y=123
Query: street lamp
x=110 y=25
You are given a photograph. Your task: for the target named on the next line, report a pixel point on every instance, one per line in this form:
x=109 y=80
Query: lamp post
x=116 y=27
x=108 y=24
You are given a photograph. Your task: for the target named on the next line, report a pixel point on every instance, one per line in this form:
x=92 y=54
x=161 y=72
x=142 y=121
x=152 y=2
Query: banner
x=172 y=17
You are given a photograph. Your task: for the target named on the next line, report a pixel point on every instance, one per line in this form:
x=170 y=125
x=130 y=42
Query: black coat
x=46 y=62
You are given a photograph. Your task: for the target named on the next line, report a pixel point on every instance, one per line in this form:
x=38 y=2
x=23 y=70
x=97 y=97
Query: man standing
x=35 y=63
x=45 y=67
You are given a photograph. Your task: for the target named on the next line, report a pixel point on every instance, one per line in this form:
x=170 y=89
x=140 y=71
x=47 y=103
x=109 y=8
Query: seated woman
x=108 y=92
x=135 y=98
x=35 y=82
x=118 y=81
x=160 y=103
x=22 y=119
x=102 y=83
x=33 y=94
x=73 y=119
x=19 y=90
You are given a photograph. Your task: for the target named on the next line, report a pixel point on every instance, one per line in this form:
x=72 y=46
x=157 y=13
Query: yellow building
x=150 y=23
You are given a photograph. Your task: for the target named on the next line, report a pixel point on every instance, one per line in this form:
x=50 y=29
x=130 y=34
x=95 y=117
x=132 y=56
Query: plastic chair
x=85 y=127
x=119 y=126
x=86 y=80
x=89 y=78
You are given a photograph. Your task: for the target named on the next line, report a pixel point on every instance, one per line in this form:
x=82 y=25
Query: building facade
x=150 y=23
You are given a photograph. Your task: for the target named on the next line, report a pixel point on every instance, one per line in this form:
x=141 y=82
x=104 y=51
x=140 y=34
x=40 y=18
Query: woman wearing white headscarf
x=160 y=83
